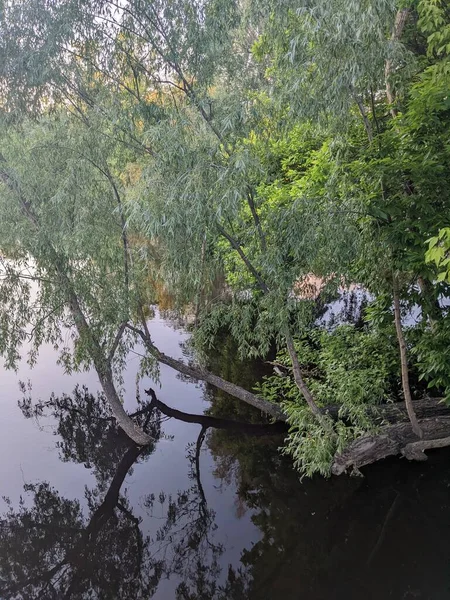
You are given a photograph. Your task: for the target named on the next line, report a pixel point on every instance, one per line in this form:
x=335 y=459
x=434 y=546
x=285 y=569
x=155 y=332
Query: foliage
x=227 y=153
x=438 y=253
x=355 y=370
x=433 y=357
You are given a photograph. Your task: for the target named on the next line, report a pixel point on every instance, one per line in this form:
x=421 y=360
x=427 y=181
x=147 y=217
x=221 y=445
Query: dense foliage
x=248 y=160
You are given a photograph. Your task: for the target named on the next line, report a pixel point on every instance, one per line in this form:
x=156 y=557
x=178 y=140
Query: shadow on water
x=384 y=536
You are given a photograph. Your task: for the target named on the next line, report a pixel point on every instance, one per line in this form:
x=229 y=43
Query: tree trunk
x=301 y=385
x=393 y=440
x=198 y=300
x=303 y=388
x=400 y=22
x=198 y=372
x=133 y=431
x=404 y=362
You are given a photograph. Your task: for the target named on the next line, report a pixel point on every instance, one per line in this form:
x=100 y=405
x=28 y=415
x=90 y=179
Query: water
x=206 y=517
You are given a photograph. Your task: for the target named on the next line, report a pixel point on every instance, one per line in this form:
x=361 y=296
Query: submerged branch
x=216 y=422
x=202 y=374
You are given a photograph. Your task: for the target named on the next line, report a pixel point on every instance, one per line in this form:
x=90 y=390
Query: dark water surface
x=202 y=514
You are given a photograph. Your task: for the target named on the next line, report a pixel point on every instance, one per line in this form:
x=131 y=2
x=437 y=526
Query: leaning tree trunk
x=133 y=431
x=202 y=374
x=404 y=362
x=102 y=365
x=103 y=369
x=299 y=381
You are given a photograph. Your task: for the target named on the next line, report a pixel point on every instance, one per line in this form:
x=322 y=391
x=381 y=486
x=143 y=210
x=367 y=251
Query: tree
x=185 y=47
x=280 y=141
x=81 y=260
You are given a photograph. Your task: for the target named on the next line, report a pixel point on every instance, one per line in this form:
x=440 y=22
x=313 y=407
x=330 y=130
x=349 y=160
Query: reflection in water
x=50 y=549
x=385 y=536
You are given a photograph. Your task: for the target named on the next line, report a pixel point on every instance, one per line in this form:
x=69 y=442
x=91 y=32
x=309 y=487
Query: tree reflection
x=378 y=537
x=86 y=430
x=48 y=548
x=53 y=548
x=103 y=548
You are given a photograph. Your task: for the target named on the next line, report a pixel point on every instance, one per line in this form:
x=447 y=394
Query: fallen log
x=395 y=439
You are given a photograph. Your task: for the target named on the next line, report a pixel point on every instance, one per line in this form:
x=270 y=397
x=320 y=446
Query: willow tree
x=70 y=262
x=70 y=251
x=200 y=100
x=202 y=93
x=174 y=52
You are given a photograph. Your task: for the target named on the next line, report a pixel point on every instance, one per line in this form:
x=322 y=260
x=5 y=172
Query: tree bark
x=104 y=371
x=133 y=431
x=391 y=441
x=416 y=450
x=198 y=372
x=198 y=299
x=404 y=362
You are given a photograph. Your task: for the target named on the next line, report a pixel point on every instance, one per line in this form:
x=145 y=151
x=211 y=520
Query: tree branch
x=235 y=244
x=256 y=219
x=400 y=21
x=116 y=342
x=416 y=450
x=362 y=110
x=199 y=373
x=207 y=421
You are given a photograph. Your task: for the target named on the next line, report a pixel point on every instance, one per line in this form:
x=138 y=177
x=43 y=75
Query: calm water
x=204 y=515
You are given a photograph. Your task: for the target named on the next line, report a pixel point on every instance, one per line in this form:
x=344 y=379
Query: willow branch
x=235 y=244
x=256 y=219
x=116 y=342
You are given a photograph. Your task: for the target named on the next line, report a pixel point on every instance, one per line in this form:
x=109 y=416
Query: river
x=201 y=515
